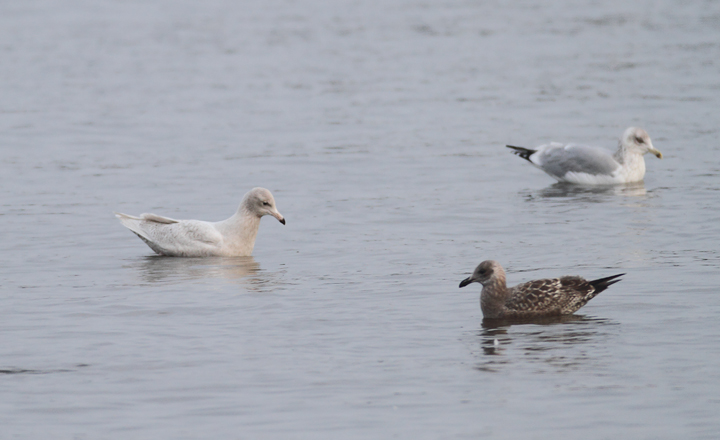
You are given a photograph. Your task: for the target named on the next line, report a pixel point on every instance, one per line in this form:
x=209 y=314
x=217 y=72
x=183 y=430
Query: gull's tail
x=525 y=153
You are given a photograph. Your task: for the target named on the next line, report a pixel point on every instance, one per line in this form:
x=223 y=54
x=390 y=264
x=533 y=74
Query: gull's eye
x=639 y=140
x=266 y=203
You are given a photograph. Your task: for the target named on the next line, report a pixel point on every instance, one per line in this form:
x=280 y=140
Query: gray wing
x=558 y=159
x=167 y=236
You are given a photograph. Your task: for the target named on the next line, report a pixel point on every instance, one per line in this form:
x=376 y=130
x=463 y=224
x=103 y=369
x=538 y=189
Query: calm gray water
x=380 y=128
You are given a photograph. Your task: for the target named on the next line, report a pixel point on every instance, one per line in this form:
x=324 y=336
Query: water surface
x=380 y=128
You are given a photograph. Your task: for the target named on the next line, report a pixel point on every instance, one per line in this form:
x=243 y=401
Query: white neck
x=632 y=162
x=239 y=232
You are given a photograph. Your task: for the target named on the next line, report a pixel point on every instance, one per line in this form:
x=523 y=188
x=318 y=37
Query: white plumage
x=234 y=237
x=586 y=165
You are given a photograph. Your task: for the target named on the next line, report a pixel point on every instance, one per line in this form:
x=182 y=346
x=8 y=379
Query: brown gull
x=585 y=165
x=234 y=237
x=534 y=299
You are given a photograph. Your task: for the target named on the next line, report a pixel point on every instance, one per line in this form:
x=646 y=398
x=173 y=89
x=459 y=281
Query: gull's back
x=179 y=238
x=553 y=296
x=558 y=160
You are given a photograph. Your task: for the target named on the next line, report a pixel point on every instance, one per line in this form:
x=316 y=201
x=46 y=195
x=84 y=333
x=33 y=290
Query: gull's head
x=637 y=140
x=260 y=202
x=486 y=272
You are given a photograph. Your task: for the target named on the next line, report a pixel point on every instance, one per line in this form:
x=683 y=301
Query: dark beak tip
x=282 y=221
x=465 y=282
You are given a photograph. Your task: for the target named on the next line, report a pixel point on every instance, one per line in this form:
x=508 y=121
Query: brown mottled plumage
x=547 y=297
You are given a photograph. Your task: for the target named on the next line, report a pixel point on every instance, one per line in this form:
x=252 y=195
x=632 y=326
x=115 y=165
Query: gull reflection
x=157 y=269
x=561 y=190
x=558 y=342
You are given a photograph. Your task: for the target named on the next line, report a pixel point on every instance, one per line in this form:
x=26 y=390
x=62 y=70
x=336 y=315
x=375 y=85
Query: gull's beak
x=278 y=216
x=466 y=281
x=657 y=153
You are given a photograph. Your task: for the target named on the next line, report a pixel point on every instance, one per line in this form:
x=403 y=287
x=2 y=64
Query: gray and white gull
x=534 y=299
x=234 y=237
x=586 y=165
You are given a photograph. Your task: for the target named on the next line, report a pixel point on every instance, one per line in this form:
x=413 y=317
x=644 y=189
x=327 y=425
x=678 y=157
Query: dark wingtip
x=603 y=283
x=465 y=282
x=523 y=152
x=606 y=279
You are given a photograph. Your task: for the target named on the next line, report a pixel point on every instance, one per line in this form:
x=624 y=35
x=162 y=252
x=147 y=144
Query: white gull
x=586 y=165
x=234 y=237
